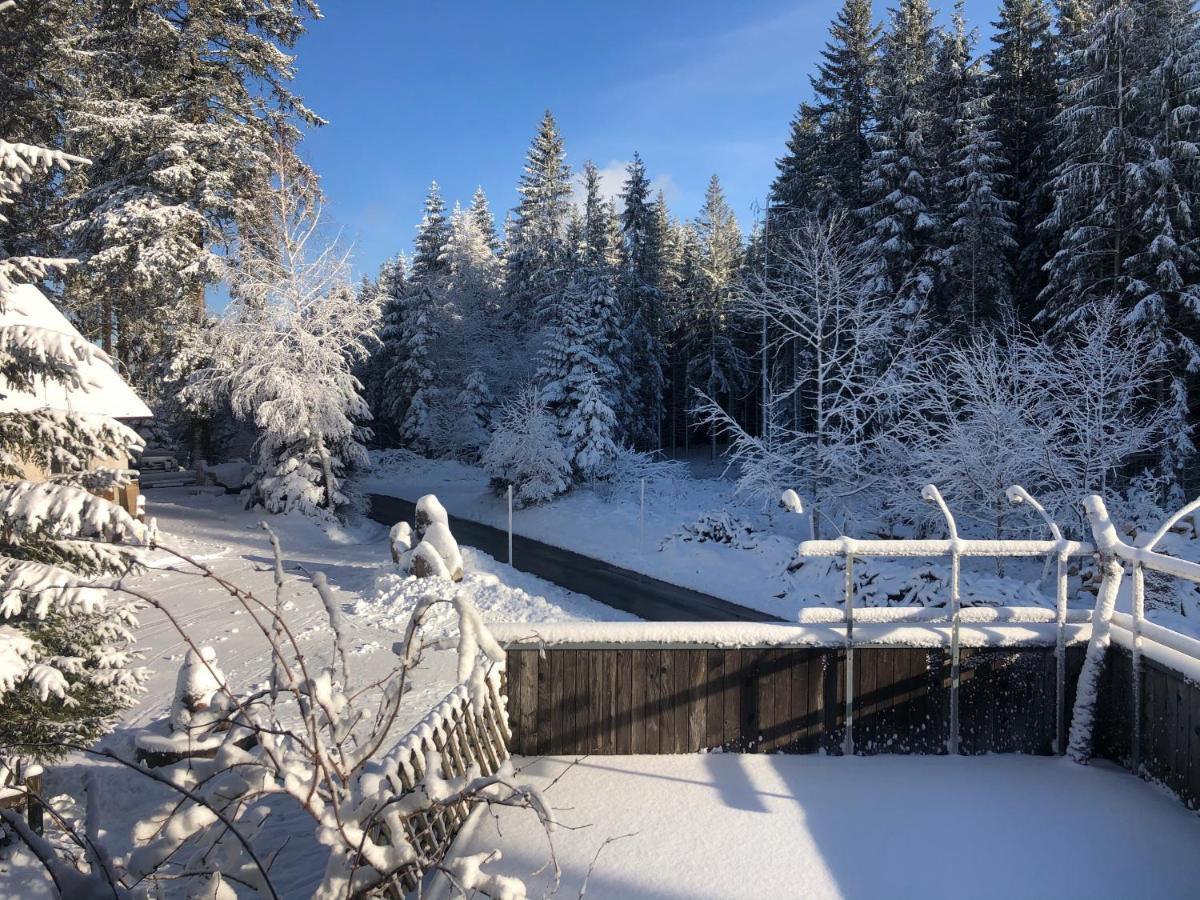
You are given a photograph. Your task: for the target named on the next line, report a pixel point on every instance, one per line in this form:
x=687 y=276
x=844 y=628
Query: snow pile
x=517 y=598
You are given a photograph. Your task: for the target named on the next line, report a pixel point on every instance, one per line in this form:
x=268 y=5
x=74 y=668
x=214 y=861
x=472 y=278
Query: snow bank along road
x=646 y=597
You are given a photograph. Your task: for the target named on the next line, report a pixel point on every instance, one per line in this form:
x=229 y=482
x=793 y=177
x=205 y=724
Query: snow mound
x=518 y=598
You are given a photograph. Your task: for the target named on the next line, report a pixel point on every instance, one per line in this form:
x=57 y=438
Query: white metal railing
x=956 y=548
x=1139 y=558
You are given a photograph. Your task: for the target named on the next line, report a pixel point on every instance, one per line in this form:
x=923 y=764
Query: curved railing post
x=1086 y=696
x=931 y=494
x=1018 y=495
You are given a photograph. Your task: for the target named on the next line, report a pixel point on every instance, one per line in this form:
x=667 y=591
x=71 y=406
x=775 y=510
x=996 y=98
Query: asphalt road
x=645 y=597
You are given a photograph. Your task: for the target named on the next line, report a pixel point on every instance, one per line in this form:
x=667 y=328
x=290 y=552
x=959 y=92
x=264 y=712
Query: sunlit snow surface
x=726 y=826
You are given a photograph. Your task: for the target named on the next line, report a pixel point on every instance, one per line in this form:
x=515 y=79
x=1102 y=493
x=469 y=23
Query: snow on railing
x=464 y=735
x=956 y=548
x=1170 y=647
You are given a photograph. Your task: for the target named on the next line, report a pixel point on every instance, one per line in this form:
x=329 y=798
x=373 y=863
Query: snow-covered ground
x=605 y=523
x=732 y=826
x=376 y=603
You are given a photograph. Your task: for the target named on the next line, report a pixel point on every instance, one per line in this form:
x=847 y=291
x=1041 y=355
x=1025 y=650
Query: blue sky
x=455 y=90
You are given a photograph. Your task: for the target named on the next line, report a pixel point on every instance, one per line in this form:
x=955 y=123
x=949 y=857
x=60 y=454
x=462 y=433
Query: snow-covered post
x=931 y=494
x=1016 y=495
x=1083 y=717
x=510 y=502
x=848 y=739
x=1139 y=612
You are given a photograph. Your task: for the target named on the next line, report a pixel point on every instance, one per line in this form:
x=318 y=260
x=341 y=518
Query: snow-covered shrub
x=630 y=466
x=429 y=511
x=719 y=528
x=438 y=537
x=66 y=661
x=526 y=452
x=308 y=743
x=426 y=562
x=400 y=537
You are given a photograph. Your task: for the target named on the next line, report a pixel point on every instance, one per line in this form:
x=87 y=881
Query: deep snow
x=732 y=826
x=375 y=602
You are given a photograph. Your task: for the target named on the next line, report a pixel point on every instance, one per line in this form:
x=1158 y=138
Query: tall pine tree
x=900 y=221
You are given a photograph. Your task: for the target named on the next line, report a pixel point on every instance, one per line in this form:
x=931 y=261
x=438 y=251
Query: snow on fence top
x=999 y=632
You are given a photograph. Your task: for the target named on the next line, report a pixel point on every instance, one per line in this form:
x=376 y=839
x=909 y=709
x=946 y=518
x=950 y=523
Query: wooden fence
x=462 y=735
x=678 y=699
x=1168 y=737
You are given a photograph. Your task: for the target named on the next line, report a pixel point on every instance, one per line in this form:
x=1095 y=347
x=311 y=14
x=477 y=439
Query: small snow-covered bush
x=629 y=467
x=526 y=452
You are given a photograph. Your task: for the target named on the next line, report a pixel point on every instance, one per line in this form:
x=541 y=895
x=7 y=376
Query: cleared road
x=646 y=597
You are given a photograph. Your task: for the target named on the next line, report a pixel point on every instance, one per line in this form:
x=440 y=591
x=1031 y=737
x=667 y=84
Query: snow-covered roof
x=106 y=393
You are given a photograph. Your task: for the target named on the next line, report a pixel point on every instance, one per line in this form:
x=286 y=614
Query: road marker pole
x=510 y=562
x=642 y=517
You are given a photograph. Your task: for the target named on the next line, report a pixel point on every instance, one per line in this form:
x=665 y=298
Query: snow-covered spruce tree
x=839 y=120
x=471 y=425
x=466 y=346
x=849 y=374
x=285 y=351
x=1023 y=98
x=390 y=288
x=714 y=361
x=180 y=110
x=900 y=220
x=579 y=346
x=527 y=452
x=1164 y=269
x=409 y=388
x=976 y=274
x=802 y=184
x=1124 y=184
x=66 y=663
x=591 y=429
x=642 y=277
x=485 y=222
x=537 y=256
x=1098 y=144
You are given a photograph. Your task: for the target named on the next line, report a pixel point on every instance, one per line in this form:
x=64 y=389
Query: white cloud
x=612 y=183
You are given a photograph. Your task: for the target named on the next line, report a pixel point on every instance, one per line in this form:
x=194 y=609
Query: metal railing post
x=848 y=739
x=1139 y=613
x=952 y=742
x=510 y=501
x=1060 y=658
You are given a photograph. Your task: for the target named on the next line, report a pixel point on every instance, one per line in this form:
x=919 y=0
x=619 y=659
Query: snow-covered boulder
x=429 y=511
x=197 y=704
x=426 y=562
x=401 y=539
x=438 y=536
